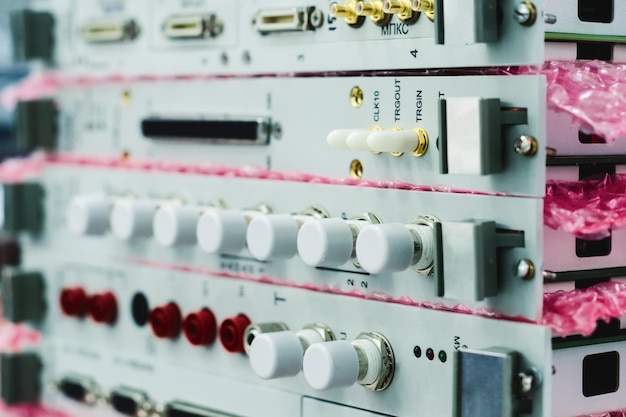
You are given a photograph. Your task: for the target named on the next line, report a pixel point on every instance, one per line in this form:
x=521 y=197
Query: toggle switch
x=224 y=231
x=275 y=236
x=279 y=354
x=89 y=214
x=330 y=242
x=394 y=247
x=132 y=218
x=175 y=224
x=471 y=134
x=413 y=141
x=368 y=361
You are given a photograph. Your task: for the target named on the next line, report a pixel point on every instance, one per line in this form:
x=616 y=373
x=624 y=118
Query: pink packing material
x=576 y=312
x=592 y=92
x=589 y=209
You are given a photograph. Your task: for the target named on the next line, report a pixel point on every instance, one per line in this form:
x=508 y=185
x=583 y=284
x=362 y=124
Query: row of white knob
x=325 y=365
x=374 y=140
x=379 y=248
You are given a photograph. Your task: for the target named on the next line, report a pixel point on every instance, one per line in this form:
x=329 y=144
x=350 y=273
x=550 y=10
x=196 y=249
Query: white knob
x=337 y=138
x=273 y=237
x=276 y=355
x=175 y=225
x=385 y=248
x=89 y=214
x=222 y=231
x=325 y=242
x=132 y=219
x=357 y=140
x=331 y=365
x=393 y=141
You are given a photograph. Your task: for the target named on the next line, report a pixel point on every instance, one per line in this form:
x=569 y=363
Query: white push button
x=175 y=225
x=89 y=214
x=276 y=355
x=326 y=242
x=393 y=141
x=222 y=231
x=273 y=237
x=132 y=218
x=331 y=365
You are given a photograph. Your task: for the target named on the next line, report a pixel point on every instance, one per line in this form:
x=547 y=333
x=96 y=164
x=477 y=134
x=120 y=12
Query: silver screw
x=525 y=13
x=549 y=19
x=529 y=379
x=277 y=130
x=525 y=269
x=526 y=145
x=246 y=57
x=316 y=18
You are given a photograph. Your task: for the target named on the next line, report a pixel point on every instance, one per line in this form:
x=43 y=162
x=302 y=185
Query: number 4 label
x=414 y=53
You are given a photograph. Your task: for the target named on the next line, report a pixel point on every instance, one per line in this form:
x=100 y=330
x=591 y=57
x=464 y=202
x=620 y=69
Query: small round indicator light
x=443 y=356
x=430 y=354
x=417 y=351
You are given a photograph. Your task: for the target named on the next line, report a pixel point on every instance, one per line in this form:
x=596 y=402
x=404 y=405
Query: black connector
x=23 y=208
x=78 y=388
x=23 y=296
x=239 y=132
x=181 y=409
x=35 y=124
x=128 y=401
x=33 y=35
x=20 y=375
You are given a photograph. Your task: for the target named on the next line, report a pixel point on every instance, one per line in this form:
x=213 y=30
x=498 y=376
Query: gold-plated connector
x=424 y=6
x=346 y=11
x=401 y=8
x=422 y=142
x=374 y=10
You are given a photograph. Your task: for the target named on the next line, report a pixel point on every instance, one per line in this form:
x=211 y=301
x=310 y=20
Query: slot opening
x=596 y=11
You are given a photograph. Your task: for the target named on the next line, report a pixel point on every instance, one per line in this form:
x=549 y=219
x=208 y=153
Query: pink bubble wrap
x=576 y=312
x=592 y=92
x=588 y=209
x=610 y=414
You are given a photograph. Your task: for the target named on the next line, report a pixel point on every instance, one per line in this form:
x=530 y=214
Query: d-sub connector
x=295 y=19
x=192 y=27
x=110 y=31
